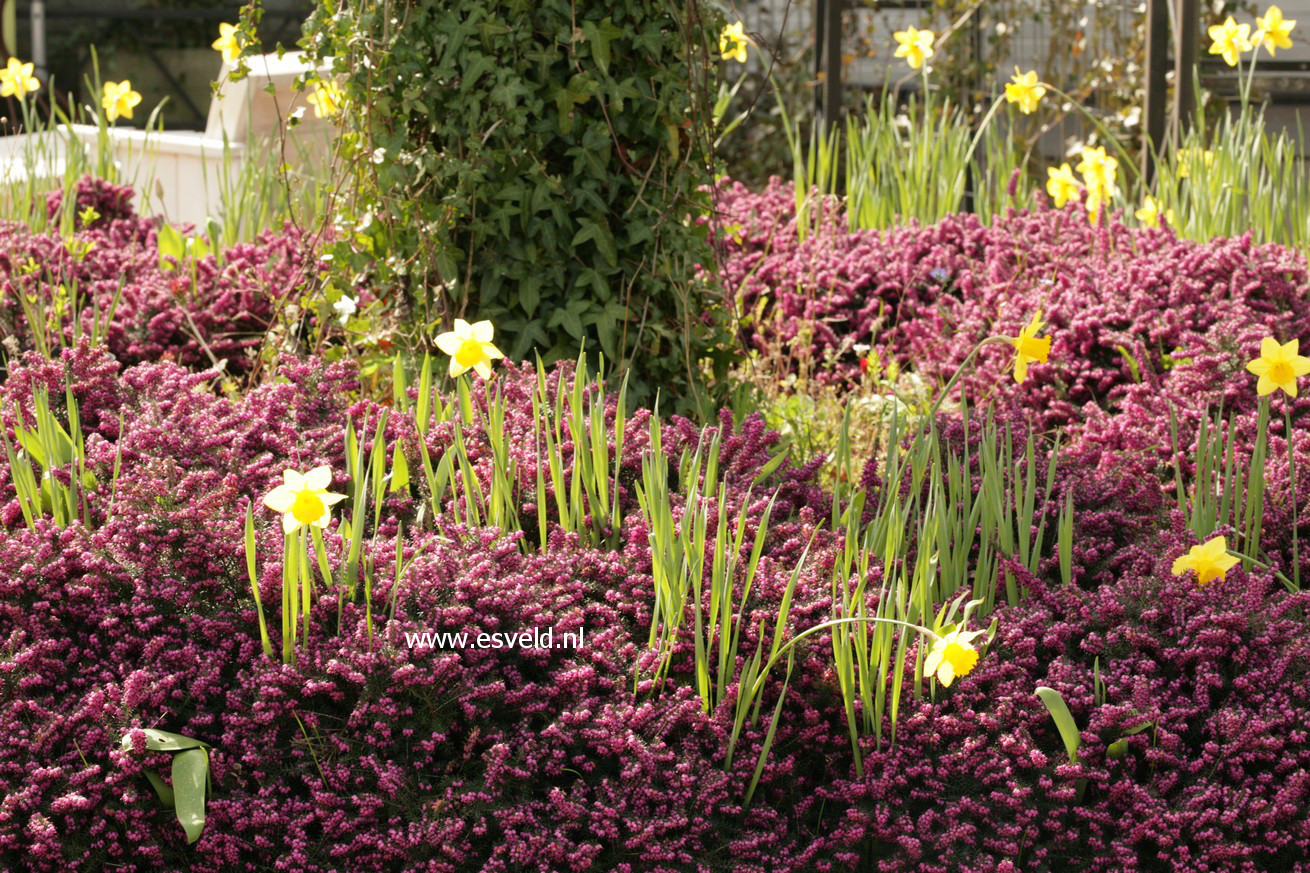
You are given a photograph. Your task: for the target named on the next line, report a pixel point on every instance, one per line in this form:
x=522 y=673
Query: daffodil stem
x=937 y=404
x=1291 y=479
x=1277 y=574
x=982 y=127
x=758 y=687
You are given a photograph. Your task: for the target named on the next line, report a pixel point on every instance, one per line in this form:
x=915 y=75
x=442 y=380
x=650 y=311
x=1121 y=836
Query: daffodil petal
x=319 y=478
x=280 y=499
x=449 y=343
x=483 y=331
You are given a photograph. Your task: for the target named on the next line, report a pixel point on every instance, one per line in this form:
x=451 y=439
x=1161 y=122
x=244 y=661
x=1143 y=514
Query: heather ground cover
x=986 y=557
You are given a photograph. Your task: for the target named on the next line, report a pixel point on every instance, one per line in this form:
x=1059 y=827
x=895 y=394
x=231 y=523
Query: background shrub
x=536 y=164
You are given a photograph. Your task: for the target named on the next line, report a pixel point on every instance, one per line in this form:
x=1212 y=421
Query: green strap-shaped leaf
x=1059 y=711
x=190 y=775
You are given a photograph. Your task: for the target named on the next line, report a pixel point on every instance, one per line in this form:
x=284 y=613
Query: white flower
x=345 y=307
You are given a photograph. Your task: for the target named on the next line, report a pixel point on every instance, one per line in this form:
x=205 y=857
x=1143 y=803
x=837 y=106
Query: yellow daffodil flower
x=326 y=99
x=119 y=100
x=1275 y=31
x=952 y=655
x=1098 y=169
x=733 y=42
x=228 y=43
x=1029 y=348
x=470 y=348
x=1150 y=213
x=1024 y=89
x=1230 y=39
x=1189 y=156
x=1278 y=367
x=1061 y=185
x=914 y=45
x=16 y=80
x=1208 y=561
x=303 y=499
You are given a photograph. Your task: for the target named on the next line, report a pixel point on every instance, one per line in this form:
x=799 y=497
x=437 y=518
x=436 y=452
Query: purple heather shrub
x=111 y=202
x=369 y=754
x=1138 y=317
x=220 y=313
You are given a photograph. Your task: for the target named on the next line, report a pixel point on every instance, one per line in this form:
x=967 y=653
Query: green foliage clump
x=538 y=163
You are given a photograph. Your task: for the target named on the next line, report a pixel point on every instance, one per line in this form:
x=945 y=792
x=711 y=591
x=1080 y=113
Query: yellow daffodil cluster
x=914 y=45
x=1192 y=157
x=733 y=42
x=1231 y=40
x=16 y=79
x=1099 y=173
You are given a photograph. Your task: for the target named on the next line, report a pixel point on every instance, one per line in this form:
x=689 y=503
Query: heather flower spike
x=914 y=45
x=1030 y=348
x=1209 y=561
x=733 y=42
x=1279 y=366
x=304 y=499
x=470 y=348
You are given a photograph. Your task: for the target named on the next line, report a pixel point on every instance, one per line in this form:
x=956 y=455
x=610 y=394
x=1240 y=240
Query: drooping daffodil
x=326 y=98
x=1026 y=90
x=1208 y=561
x=1279 y=366
x=914 y=45
x=1274 y=31
x=1150 y=213
x=1061 y=185
x=952 y=655
x=1229 y=40
x=119 y=100
x=303 y=499
x=228 y=43
x=1029 y=348
x=16 y=79
x=470 y=348
x=733 y=42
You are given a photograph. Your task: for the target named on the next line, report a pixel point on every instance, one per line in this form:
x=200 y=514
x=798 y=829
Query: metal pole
x=1189 y=34
x=827 y=60
x=820 y=36
x=1157 y=57
x=38 y=40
